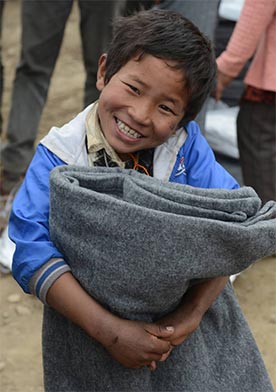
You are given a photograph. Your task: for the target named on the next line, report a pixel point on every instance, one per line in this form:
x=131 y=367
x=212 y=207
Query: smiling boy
x=143 y=103
x=153 y=81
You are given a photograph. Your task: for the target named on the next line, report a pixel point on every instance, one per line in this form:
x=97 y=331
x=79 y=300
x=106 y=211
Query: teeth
x=128 y=131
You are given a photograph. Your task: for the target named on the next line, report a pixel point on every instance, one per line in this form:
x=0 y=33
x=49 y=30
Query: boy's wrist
x=104 y=328
x=201 y=296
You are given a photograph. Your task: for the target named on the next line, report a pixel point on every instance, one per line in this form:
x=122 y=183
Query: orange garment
x=255 y=32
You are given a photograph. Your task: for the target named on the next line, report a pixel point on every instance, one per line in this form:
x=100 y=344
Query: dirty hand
x=136 y=344
x=185 y=320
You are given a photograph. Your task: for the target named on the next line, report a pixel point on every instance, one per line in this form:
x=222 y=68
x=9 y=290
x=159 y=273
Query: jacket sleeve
x=36 y=263
x=202 y=169
x=253 y=21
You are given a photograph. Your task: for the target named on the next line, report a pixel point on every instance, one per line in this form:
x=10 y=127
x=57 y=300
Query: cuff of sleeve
x=228 y=66
x=43 y=278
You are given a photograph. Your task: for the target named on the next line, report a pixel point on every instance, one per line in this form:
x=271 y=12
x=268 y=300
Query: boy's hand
x=136 y=344
x=185 y=320
x=132 y=343
x=187 y=317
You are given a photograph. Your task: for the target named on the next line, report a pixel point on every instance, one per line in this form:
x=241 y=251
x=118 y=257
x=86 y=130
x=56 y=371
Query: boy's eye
x=133 y=88
x=167 y=109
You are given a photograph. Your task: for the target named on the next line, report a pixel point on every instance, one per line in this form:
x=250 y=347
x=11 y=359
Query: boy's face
x=142 y=104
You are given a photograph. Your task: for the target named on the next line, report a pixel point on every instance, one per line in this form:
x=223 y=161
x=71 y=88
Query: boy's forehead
x=150 y=61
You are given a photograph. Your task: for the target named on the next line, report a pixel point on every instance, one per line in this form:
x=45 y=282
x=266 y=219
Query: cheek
x=173 y=126
x=113 y=100
x=167 y=130
x=108 y=96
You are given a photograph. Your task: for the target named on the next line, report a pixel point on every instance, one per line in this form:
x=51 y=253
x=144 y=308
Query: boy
x=153 y=81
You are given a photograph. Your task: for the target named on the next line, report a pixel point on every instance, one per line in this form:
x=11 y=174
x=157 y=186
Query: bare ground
x=20 y=314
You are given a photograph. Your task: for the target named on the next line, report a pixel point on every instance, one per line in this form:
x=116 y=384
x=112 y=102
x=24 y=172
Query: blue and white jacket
x=185 y=158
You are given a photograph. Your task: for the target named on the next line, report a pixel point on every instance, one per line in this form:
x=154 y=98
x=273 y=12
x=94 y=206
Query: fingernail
x=170 y=329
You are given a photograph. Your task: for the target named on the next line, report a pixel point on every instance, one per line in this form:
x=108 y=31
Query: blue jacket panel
x=196 y=164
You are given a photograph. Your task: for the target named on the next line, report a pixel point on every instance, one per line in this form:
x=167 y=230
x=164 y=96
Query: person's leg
x=96 y=31
x=204 y=14
x=43 y=23
x=1 y=65
x=257 y=146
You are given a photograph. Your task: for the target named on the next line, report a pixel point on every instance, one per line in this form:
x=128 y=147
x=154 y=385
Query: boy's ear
x=101 y=72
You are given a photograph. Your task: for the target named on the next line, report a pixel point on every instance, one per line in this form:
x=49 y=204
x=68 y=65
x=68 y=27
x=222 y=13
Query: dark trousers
x=43 y=24
x=256 y=129
x=1 y=65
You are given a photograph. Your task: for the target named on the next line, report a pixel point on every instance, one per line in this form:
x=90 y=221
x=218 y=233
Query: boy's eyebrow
x=167 y=98
x=137 y=80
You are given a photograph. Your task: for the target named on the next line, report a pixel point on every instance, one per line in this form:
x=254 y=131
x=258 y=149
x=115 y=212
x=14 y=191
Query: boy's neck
x=124 y=156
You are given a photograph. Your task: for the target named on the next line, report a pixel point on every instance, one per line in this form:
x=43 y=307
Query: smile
x=128 y=131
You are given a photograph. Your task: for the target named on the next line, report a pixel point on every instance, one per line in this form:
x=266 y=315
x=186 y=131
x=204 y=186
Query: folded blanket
x=135 y=244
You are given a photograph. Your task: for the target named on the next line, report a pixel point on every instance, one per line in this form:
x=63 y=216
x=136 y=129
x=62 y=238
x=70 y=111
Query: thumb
x=160 y=331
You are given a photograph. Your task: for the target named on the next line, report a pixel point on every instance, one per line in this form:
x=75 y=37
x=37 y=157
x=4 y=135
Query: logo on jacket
x=181 y=168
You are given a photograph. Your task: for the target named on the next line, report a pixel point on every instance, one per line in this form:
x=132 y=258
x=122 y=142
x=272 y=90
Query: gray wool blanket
x=136 y=244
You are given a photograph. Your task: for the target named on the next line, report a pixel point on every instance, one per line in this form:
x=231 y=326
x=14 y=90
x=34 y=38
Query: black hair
x=170 y=36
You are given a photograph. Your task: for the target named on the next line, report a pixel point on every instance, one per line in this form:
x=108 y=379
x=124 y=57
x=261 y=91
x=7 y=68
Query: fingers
x=152 y=366
x=159 y=331
x=161 y=347
x=160 y=336
x=166 y=355
x=158 y=354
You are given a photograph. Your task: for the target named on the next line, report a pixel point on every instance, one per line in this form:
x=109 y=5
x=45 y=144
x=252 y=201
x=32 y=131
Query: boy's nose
x=141 y=113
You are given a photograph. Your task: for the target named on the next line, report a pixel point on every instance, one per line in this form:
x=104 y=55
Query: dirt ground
x=21 y=315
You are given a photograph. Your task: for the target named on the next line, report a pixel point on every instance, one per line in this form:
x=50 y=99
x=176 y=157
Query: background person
x=1 y=65
x=254 y=34
x=43 y=25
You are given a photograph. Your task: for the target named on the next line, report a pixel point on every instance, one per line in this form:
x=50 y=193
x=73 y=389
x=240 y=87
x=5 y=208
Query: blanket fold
x=135 y=243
